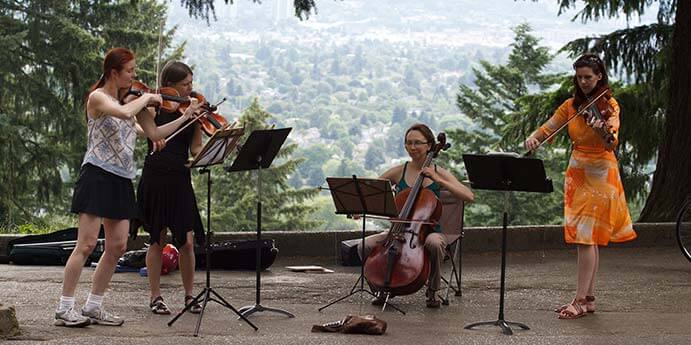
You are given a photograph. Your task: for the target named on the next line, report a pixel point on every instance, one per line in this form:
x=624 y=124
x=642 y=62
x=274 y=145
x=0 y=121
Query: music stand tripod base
x=258 y=152
x=507 y=174
x=205 y=296
x=505 y=325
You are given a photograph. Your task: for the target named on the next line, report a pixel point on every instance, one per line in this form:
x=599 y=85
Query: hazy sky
x=455 y=22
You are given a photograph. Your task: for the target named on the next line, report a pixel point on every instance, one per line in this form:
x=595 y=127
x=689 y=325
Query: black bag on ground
x=237 y=255
x=349 y=254
x=133 y=258
x=50 y=249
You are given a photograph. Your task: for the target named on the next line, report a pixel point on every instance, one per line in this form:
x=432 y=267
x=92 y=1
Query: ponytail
x=115 y=59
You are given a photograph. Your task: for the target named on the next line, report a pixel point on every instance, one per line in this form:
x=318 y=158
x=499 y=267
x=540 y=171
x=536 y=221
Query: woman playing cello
x=419 y=140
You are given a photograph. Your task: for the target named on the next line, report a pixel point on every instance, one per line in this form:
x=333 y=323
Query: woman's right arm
x=392 y=174
x=99 y=104
x=554 y=122
x=156 y=133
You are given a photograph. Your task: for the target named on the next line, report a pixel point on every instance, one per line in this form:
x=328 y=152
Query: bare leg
x=591 y=288
x=587 y=265
x=153 y=265
x=117 y=231
x=187 y=264
x=89 y=225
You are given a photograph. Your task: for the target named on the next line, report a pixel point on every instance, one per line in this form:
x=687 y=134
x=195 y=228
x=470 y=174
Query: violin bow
x=583 y=109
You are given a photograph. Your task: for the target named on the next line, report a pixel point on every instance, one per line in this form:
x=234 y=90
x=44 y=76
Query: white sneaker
x=99 y=316
x=70 y=318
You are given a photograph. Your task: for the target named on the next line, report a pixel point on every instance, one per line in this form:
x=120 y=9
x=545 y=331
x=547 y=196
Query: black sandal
x=194 y=308
x=159 y=307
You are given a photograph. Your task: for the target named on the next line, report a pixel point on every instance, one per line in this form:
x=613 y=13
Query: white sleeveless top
x=111 y=144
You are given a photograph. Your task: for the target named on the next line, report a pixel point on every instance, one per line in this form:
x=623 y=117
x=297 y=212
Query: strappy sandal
x=194 y=308
x=590 y=304
x=159 y=307
x=574 y=310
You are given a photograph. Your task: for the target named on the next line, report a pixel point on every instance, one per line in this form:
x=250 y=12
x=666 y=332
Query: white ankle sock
x=93 y=302
x=66 y=302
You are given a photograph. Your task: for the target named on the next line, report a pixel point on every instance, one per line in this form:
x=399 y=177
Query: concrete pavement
x=643 y=297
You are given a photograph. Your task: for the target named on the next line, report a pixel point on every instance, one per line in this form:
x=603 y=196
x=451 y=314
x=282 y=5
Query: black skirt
x=165 y=199
x=102 y=193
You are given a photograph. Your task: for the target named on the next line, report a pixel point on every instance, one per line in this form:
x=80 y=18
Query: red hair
x=115 y=59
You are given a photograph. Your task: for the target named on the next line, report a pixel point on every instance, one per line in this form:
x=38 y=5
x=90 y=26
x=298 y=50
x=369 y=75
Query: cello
x=399 y=265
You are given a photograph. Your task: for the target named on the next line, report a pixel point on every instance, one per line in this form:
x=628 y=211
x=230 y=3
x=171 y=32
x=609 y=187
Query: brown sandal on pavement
x=589 y=305
x=574 y=310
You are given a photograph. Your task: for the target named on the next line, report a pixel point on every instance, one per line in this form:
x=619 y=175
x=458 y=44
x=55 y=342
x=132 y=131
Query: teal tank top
x=434 y=187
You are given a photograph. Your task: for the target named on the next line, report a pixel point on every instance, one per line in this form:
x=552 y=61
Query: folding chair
x=452 y=226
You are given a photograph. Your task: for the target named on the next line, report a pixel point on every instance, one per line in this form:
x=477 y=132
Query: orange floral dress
x=595 y=210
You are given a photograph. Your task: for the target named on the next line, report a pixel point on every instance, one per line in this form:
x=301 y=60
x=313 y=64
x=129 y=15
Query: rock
x=8 y=322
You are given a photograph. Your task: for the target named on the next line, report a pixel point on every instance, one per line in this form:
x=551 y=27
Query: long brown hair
x=174 y=72
x=595 y=63
x=115 y=59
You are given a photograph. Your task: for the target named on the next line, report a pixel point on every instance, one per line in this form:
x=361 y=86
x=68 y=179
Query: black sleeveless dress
x=165 y=198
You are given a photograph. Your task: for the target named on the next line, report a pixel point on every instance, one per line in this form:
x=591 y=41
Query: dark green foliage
x=504 y=113
x=656 y=58
x=52 y=52
x=204 y=8
x=234 y=195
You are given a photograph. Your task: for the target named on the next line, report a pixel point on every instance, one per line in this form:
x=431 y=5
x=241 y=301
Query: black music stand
x=507 y=173
x=214 y=152
x=361 y=196
x=257 y=153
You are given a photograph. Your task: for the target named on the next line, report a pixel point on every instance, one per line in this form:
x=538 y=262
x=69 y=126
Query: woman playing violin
x=103 y=193
x=595 y=210
x=165 y=197
x=419 y=140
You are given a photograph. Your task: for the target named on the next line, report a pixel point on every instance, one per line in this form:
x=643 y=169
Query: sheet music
x=218 y=147
x=214 y=154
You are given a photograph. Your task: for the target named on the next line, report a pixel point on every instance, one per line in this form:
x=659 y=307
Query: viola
x=171 y=98
x=399 y=265
x=209 y=120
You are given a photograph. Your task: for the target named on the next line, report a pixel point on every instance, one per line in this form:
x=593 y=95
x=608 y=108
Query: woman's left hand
x=595 y=122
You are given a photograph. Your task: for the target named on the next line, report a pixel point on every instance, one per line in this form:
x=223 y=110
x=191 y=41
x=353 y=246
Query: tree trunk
x=672 y=178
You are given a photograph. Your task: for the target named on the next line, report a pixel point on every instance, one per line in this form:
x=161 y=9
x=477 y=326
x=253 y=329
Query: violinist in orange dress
x=419 y=140
x=165 y=197
x=595 y=210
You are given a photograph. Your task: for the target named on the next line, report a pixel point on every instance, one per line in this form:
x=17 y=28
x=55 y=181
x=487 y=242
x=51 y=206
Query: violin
x=598 y=107
x=209 y=120
x=600 y=110
x=171 y=98
x=399 y=265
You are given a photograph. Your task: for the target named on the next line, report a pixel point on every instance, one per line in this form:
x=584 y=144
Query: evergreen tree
x=494 y=105
x=654 y=56
x=52 y=52
x=234 y=196
x=374 y=156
